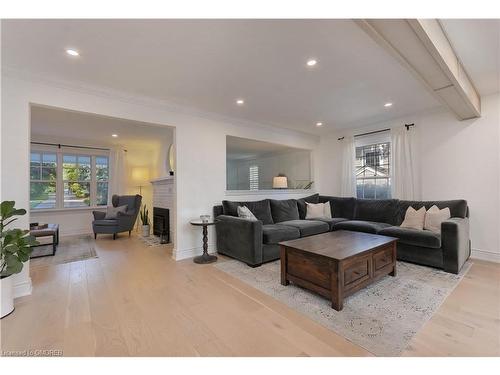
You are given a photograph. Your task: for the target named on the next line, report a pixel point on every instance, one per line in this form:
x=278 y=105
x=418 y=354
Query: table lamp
x=280 y=182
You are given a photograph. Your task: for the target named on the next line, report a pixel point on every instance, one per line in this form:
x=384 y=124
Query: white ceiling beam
x=421 y=46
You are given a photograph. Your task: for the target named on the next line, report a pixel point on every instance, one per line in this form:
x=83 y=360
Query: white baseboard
x=485 y=255
x=23 y=288
x=191 y=253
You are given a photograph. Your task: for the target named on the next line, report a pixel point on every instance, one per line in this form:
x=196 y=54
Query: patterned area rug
x=382 y=318
x=70 y=249
x=152 y=241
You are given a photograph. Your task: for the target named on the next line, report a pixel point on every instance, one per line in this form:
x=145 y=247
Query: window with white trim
x=254 y=177
x=373 y=170
x=68 y=179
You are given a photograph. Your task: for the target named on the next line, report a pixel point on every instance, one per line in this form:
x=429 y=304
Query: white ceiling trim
x=145 y=101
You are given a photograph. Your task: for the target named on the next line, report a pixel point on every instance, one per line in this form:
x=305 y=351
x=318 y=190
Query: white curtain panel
x=348 y=188
x=403 y=184
x=118 y=171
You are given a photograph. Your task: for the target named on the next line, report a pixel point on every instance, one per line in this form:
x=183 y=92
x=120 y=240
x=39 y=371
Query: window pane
x=84 y=168
x=369 y=189
x=383 y=189
x=69 y=168
x=102 y=170
x=49 y=174
x=49 y=160
x=102 y=193
x=359 y=189
x=35 y=159
x=42 y=195
x=35 y=173
x=76 y=194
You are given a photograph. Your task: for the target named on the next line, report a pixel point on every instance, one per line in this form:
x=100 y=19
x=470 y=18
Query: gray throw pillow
x=112 y=212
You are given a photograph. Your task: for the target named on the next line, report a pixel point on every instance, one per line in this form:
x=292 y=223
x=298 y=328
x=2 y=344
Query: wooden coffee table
x=337 y=264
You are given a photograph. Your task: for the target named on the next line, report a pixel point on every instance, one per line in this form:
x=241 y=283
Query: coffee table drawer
x=382 y=258
x=309 y=267
x=357 y=271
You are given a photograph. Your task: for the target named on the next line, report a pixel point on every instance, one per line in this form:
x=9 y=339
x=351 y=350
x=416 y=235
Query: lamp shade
x=140 y=176
x=280 y=182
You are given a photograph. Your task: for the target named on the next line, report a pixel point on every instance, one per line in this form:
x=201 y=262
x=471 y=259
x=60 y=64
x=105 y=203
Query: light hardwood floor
x=135 y=300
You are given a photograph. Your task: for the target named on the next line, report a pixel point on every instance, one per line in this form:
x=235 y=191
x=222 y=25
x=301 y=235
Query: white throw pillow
x=112 y=212
x=414 y=219
x=318 y=210
x=245 y=213
x=434 y=217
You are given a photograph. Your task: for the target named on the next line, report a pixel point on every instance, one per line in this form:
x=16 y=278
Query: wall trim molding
x=489 y=256
x=23 y=288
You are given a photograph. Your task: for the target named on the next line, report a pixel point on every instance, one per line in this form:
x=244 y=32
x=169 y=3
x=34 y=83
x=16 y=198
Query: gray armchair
x=124 y=221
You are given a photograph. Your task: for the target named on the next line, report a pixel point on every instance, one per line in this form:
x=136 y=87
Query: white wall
x=200 y=144
x=457 y=159
x=296 y=165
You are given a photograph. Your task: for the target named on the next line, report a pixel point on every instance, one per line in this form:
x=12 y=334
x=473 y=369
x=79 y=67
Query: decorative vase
x=145 y=231
x=7 y=302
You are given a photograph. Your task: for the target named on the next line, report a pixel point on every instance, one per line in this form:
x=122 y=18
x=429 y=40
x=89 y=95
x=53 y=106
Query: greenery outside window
x=43 y=175
x=65 y=180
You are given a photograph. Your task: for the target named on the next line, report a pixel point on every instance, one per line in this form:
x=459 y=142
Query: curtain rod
x=376 y=131
x=59 y=145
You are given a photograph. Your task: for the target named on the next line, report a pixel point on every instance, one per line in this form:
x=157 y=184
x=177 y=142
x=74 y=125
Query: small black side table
x=205 y=258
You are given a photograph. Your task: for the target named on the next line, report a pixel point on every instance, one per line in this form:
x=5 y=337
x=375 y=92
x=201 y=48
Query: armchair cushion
x=105 y=223
x=99 y=215
x=112 y=212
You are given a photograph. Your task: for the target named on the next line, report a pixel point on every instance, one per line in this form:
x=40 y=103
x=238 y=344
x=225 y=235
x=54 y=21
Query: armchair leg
x=129 y=232
x=95 y=236
x=114 y=236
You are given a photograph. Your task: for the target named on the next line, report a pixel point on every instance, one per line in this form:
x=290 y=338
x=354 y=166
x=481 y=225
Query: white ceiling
x=477 y=43
x=242 y=148
x=60 y=125
x=207 y=64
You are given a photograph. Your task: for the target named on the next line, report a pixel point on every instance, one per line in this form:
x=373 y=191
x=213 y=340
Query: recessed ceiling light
x=319 y=124
x=311 y=62
x=387 y=104
x=72 y=52
x=114 y=135
x=240 y=101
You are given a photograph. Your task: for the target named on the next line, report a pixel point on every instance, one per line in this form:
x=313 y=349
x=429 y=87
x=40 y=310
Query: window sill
x=73 y=209
x=269 y=192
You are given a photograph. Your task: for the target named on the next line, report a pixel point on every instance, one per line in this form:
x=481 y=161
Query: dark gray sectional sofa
x=256 y=242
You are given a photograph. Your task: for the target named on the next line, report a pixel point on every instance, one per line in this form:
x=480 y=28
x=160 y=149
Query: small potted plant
x=145 y=221
x=15 y=249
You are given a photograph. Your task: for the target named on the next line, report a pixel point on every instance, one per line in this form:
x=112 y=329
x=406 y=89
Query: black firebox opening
x=161 y=222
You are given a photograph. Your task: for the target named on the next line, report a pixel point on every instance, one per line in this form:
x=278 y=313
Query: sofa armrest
x=239 y=238
x=99 y=215
x=455 y=242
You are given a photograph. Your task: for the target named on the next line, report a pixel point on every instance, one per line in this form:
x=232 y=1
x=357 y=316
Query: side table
x=205 y=258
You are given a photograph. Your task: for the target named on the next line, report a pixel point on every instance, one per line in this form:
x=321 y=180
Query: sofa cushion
x=274 y=233
x=423 y=238
x=341 y=207
x=105 y=222
x=458 y=207
x=307 y=227
x=301 y=204
x=361 y=226
x=261 y=209
x=331 y=222
x=378 y=210
x=283 y=210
